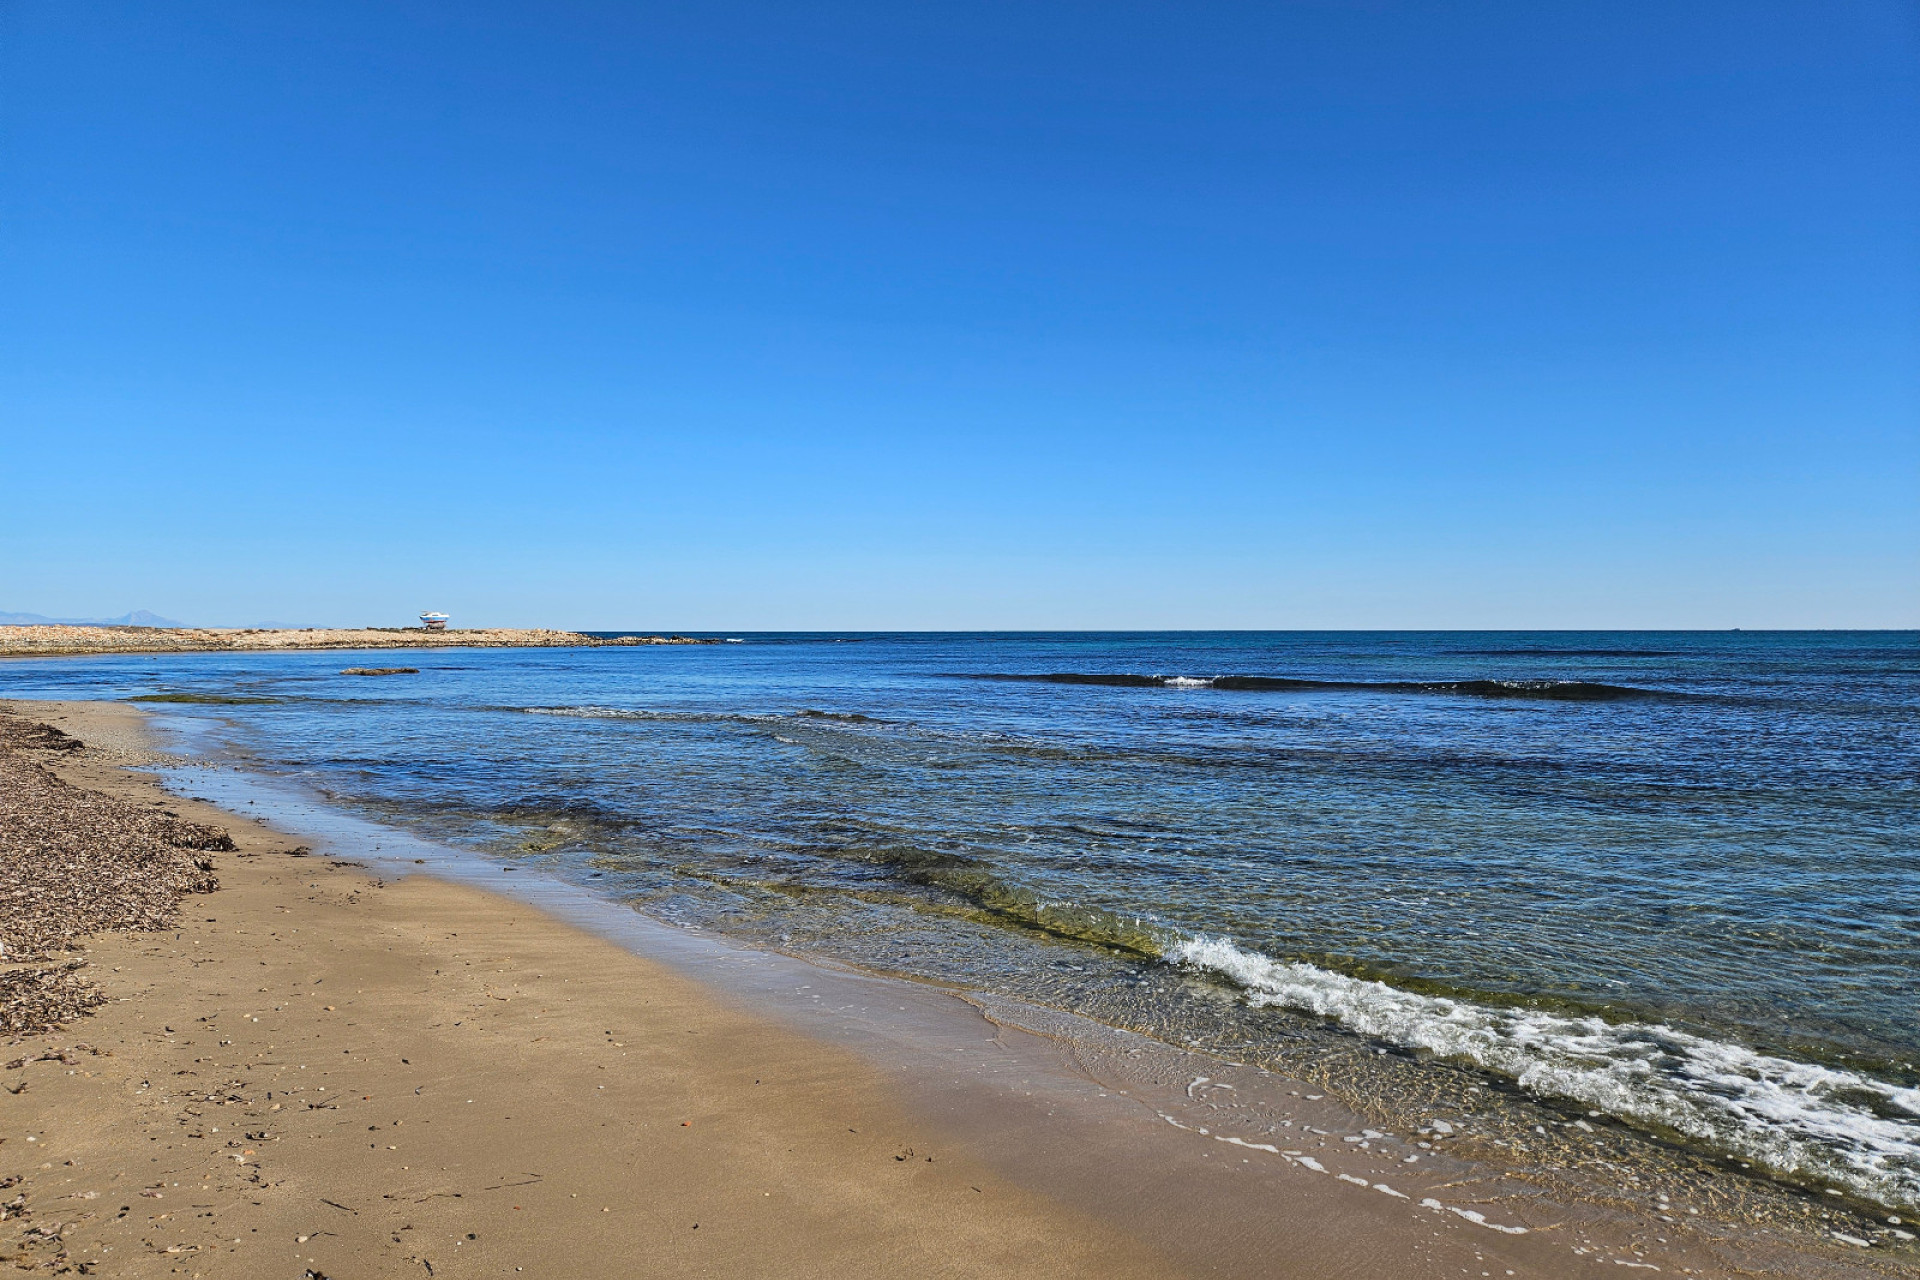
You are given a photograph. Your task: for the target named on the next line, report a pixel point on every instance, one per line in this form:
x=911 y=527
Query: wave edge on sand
x=1797 y=1119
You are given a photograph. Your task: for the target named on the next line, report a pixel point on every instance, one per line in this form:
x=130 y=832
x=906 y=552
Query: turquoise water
x=1671 y=879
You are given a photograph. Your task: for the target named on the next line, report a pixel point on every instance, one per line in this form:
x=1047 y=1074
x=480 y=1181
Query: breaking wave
x=1548 y=690
x=1795 y=1118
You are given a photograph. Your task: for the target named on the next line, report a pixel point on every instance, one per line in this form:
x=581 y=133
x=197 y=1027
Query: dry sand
x=52 y=640
x=319 y=1072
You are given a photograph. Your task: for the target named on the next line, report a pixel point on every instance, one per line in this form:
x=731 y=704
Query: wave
x=1566 y=653
x=210 y=699
x=634 y=713
x=1548 y=690
x=1797 y=1119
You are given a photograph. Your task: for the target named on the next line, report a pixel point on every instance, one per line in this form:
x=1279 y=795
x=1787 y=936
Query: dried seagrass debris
x=34 y=999
x=17 y=734
x=75 y=862
x=194 y=835
x=69 y=1056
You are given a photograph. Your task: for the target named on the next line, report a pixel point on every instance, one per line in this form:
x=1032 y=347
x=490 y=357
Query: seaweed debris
x=75 y=862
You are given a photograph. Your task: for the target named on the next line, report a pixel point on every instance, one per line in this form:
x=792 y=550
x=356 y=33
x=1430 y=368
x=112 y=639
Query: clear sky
x=958 y=315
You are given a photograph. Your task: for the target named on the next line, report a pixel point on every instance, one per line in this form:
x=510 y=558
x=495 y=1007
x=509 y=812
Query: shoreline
x=323 y=1071
x=1100 y=1140
x=53 y=640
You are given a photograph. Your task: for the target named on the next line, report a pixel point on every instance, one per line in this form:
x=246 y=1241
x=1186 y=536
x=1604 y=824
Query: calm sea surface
x=1666 y=879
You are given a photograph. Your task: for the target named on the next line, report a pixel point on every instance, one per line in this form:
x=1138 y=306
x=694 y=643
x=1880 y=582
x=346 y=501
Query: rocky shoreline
x=58 y=640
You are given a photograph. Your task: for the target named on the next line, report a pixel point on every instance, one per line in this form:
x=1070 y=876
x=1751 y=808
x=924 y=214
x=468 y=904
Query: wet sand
x=327 y=1068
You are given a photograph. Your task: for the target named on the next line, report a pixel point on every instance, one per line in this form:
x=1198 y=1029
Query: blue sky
x=740 y=316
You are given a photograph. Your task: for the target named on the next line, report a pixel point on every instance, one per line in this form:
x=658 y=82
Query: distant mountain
x=138 y=618
x=141 y=618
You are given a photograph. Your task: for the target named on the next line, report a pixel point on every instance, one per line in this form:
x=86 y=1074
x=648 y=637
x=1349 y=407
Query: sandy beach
x=320 y=1068
x=51 y=640
x=320 y=1071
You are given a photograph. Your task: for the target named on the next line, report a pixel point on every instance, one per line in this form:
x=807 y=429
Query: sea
x=1621 y=901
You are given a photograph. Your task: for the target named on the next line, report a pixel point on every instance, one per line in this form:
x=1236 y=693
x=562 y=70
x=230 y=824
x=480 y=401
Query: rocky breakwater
x=52 y=640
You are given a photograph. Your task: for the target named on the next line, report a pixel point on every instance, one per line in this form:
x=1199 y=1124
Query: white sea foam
x=600 y=713
x=1267 y=1147
x=1472 y=1215
x=1793 y=1117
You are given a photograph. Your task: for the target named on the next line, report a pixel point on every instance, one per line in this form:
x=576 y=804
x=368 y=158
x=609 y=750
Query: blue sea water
x=1671 y=879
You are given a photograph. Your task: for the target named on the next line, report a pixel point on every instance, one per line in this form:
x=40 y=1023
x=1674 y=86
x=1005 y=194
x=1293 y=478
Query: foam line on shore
x=1851 y=1130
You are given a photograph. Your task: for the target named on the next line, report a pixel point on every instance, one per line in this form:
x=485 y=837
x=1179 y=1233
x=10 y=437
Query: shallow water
x=1667 y=879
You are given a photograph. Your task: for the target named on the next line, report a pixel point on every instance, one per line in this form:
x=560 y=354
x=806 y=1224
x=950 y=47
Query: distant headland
x=49 y=640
